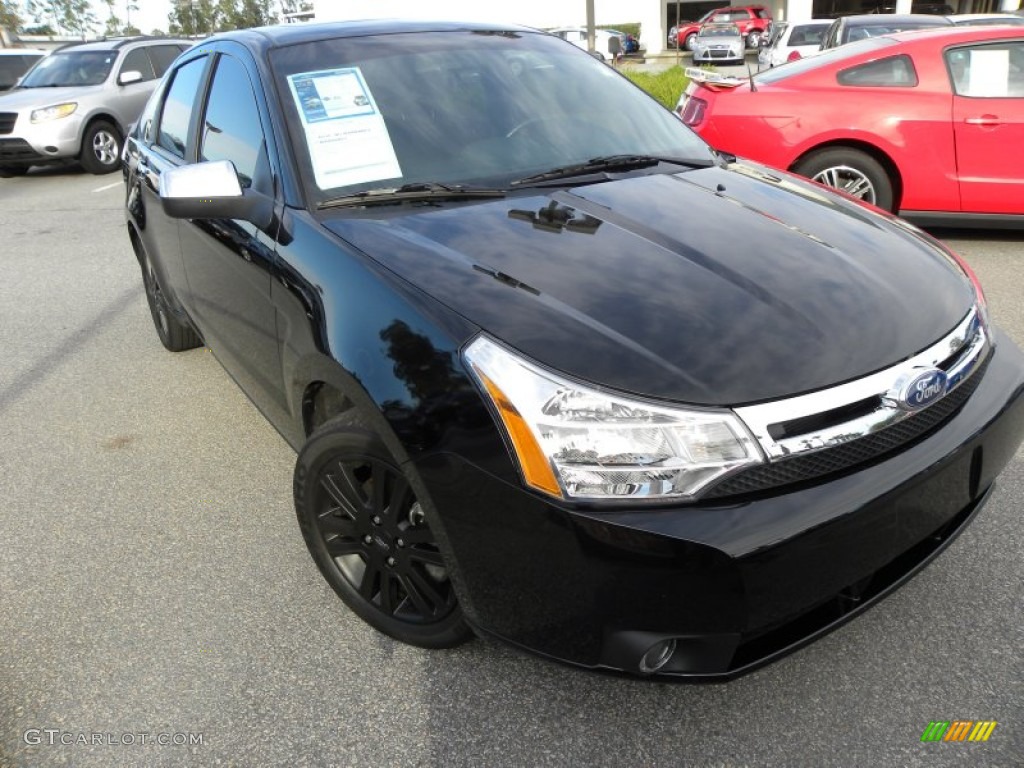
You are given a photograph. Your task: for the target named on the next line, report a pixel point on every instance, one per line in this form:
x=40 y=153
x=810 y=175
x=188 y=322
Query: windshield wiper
x=611 y=163
x=412 y=193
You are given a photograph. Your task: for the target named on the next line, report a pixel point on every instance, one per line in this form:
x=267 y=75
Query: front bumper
x=735 y=582
x=39 y=143
x=712 y=55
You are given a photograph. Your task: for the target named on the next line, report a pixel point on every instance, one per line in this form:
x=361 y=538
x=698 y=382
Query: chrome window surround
x=970 y=339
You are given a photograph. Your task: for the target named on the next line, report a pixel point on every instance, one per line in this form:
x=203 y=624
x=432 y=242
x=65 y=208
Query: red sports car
x=928 y=124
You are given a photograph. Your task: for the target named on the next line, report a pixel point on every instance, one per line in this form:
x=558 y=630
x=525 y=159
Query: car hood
x=722 y=286
x=25 y=98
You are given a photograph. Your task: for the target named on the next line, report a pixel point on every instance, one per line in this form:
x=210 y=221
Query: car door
x=228 y=262
x=132 y=97
x=988 y=125
x=158 y=144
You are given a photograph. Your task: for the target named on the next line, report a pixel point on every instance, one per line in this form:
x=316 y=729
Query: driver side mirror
x=129 y=76
x=211 y=190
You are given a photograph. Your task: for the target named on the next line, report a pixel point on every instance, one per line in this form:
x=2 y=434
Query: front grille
x=829 y=461
x=17 y=150
x=7 y=121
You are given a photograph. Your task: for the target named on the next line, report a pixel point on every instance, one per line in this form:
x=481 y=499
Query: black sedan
x=505 y=308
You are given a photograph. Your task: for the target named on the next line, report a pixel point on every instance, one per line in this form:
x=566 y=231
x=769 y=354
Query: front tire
x=851 y=171
x=101 y=148
x=175 y=335
x=371 y=538
x=691 y=42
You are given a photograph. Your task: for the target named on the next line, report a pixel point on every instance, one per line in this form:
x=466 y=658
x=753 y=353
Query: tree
x=243 y=14
x=66 y=16
x=9 y=17
x=293 y=6
x=194 y=17
x=113 y=23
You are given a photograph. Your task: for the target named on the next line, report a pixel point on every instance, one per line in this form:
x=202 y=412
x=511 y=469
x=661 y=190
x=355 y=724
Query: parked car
x=718 y=44
x=525 y=400
x=753 y=21
x=602 y=40
x=983 y=19
x=920 y=123
x=793 y=41
x=15 y=62
x=848 y=29
x=76 y=103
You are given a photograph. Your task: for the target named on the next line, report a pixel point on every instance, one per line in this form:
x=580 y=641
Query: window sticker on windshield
x=347 y=138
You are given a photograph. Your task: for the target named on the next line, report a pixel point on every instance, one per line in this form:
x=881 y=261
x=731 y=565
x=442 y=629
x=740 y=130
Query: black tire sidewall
x=88 y=158
x=347 y=436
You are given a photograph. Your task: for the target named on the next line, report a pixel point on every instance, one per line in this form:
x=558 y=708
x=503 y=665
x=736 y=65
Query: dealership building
x=655 y=17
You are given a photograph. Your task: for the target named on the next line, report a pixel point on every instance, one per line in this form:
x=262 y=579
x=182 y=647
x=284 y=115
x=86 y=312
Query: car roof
x=960 y=34
x=265 y=38
x=1009 y=18
x=115 y=43
x=887 y=19
x=720 y=25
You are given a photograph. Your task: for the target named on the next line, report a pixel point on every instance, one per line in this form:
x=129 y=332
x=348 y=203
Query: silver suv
x=77 y=103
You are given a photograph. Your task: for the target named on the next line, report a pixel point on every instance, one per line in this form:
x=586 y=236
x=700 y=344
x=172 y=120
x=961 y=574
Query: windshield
x=810 y=63
x=71 y=68
x=461 y=107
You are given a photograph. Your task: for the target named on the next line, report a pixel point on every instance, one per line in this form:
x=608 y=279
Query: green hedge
x=665 y=86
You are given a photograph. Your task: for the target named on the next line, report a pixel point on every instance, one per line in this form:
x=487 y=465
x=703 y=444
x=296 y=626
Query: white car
x=719 y=44
x=794 y=41
x=15 y=62
x=982 y=19
x=602 y=39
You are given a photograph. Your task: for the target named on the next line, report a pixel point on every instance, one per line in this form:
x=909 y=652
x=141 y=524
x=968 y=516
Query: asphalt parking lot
x=153 y=581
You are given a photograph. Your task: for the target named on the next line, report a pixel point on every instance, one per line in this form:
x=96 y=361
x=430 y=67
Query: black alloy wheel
x=174 y=335
x=371 y=537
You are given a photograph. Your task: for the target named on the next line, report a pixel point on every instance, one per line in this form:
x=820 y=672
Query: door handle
x=984 y=120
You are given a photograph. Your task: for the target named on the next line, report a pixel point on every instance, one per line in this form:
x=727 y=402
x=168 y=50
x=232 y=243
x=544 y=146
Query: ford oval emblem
x=923 y=389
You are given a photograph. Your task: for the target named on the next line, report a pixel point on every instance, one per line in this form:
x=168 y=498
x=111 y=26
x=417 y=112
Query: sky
x=152 y=14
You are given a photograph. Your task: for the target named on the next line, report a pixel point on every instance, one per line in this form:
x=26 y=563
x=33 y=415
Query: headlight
x=574 y=441
x=53 y=113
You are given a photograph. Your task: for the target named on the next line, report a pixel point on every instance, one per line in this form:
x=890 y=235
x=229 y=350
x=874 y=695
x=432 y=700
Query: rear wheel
x=101 y=148
x=851 y=171
x=174 y=335
x=372 y=538
x=753 y=38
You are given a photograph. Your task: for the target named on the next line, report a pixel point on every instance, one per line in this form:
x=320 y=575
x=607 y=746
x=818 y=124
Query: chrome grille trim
x=961 y=350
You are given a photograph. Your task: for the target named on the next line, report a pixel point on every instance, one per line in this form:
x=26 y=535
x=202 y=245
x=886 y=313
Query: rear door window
x=892 y=71
x=163 y=56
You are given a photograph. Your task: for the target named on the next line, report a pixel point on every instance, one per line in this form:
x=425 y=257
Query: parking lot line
x=109 y=186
